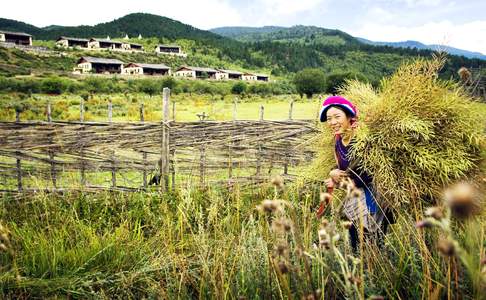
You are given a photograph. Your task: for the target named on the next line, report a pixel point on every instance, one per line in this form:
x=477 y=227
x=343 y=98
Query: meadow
x=227 y=242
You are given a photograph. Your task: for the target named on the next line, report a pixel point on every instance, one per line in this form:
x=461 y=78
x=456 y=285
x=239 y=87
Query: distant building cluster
x=108 y=44
x=97 y=65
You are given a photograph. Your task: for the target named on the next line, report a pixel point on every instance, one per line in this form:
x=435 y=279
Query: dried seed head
x=347 y=224
x=3 y=247
x=446 y=247
x=278 y=181
x=281 y=225
x=282 y=266
x=326 y=198
x=324 y=223
x=281 y=249
x=322 y=234
x=424 y=224
x=325 y=244
x=434 y=212
x=269 y=206
x=462 y=200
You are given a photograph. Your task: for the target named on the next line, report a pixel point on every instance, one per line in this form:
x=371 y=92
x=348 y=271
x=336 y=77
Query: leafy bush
x=238 y=88
x=309 y=82
x=54 y=85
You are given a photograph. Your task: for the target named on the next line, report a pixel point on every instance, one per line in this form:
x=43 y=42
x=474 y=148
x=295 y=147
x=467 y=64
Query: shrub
x=337 y=80
x=309 y=82
x=238 y=88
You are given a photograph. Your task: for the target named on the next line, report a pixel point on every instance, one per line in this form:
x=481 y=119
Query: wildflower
x=461 y=199
x=446 y=247
x=278 y=181
x=434 y=212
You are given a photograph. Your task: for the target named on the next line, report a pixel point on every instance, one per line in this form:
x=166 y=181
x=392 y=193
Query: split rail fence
x=131 y=156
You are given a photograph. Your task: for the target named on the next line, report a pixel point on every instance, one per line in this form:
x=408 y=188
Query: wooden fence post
x=259 y=145
x=17 y=115
x=49 y=119
x=144 y=154
x=81 y=110
x=142 y=118
x=173 y=111
x=113 y=170
x=51 y=152
x=19 y=173
x=83 y=163
x=231 y=143
x=110 y=111
x=291 y=109
x=164 y=153
x=234 y=109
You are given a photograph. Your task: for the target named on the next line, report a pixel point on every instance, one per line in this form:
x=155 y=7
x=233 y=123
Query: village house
x=146 y=69
x=104 y=44
x=96 y=65
x=230 y=74
x=132 y=47
x=248 y=77
x=69 y=42
x=197 y=72
x=170 y=49
x=17 y=38
x=261 y=77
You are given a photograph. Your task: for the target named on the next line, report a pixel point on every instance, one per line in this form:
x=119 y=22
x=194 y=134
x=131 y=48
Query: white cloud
x=465 y=36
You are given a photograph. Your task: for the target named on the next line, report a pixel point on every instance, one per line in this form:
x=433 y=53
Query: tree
x=309 y=81
x=336 y=80
x=238 y=88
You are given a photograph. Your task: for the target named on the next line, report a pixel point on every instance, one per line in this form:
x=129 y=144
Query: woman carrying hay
x=361 y=205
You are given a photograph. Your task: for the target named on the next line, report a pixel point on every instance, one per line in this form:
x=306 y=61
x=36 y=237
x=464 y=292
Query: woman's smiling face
x=337 y=120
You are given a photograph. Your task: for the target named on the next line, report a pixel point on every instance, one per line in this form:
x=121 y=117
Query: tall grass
x=213 y=244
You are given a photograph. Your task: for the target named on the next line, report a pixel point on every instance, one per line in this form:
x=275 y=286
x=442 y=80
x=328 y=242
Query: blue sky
x=460 y=24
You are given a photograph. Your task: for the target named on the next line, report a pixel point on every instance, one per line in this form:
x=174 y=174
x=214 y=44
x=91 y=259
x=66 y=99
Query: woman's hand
x=337 y=175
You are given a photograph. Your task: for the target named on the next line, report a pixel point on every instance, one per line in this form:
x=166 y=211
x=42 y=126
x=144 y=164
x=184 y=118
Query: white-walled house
x=97 y=65
x=231 y=74
x=170 y=49
x=248 y=77
x=70 y=42
x=104 y=44
x=146 y=69
x=17 y=38
x=198 y=72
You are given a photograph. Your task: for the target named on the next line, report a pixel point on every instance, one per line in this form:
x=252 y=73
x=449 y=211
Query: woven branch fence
x=132 y=156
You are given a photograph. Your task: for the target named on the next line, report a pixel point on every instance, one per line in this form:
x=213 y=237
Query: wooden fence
x=49 y=155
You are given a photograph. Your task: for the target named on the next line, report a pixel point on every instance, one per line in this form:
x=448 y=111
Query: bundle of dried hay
x=417 y=134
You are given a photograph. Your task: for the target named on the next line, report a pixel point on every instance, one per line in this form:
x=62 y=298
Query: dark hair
x=348 y=114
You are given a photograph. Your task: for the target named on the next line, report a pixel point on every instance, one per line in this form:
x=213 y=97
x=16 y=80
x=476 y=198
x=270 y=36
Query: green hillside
x=277 y=51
